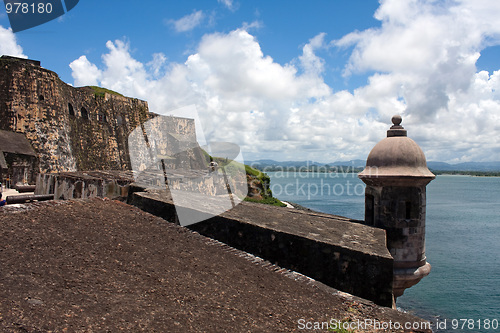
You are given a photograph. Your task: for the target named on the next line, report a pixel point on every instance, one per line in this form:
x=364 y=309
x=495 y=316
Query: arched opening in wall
x=85 y=114
x=71 y=111
x=119 y=120
x=41 y=98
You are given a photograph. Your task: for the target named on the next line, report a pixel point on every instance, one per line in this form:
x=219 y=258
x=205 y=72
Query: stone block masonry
x=83 y=185
x=73 y=129
x=116 y=184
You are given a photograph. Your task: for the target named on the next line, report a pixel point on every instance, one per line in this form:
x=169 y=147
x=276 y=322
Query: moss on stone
x=99 y=91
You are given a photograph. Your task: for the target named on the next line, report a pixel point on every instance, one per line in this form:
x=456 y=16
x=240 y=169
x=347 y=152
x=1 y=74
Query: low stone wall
x=82 y=185
x=115 y=184
x=331 y=249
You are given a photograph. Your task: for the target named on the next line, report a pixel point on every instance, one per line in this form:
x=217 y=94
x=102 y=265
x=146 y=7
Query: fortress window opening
x=85 y=114
x=101 y=117
x=408 y=210
x=369 y=209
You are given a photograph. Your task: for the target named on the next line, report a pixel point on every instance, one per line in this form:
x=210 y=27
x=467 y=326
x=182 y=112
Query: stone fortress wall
x=73 y=129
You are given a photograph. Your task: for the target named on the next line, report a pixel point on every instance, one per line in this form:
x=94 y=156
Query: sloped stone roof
x=16 y=143
x=97 y=265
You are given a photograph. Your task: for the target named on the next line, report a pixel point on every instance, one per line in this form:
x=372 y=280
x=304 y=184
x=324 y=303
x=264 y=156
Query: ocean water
x=462 y=292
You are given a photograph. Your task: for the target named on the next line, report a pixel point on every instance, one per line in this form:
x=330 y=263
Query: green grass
x=267 y=201
x=263 y=177
x=206 y=155
x=99 y=92
x=223 y=162
x=251 y=171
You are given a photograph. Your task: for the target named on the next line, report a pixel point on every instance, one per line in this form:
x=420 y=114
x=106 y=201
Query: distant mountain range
x=438 y=166
x=466 y=166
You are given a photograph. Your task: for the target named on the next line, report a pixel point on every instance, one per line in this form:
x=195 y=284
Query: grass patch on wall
x=99 y=91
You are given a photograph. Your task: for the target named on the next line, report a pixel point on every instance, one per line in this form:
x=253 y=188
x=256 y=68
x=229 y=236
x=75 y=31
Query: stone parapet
x=331 y=249
x=100 y=265
x=82 y=185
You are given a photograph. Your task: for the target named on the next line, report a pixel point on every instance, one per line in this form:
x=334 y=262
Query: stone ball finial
x=396 y=129
x=396 y=120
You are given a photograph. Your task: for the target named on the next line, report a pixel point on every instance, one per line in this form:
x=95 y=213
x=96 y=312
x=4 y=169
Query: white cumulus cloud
x=309 y=60
x=8 y=44
x=426 y=52
x=422 y=61
x=84 y=72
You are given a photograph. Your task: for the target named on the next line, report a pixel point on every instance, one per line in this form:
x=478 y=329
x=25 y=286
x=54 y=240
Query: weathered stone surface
x=103 y=266
x=18 y=160
x=83 y=185
x=396 y=175
x=79 y=129
x=115 y=184
x=348 y=256
x=70 y=128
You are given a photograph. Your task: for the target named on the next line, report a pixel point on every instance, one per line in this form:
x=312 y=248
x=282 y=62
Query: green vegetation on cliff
x=259 y=183
x=265 y=181
x=262 y=177
x=267 y=201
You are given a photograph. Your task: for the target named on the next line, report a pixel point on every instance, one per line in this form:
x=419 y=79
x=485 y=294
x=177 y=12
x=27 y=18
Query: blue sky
x=293 y=80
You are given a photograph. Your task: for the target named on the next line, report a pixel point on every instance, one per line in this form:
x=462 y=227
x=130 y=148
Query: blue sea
x=462 y=292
